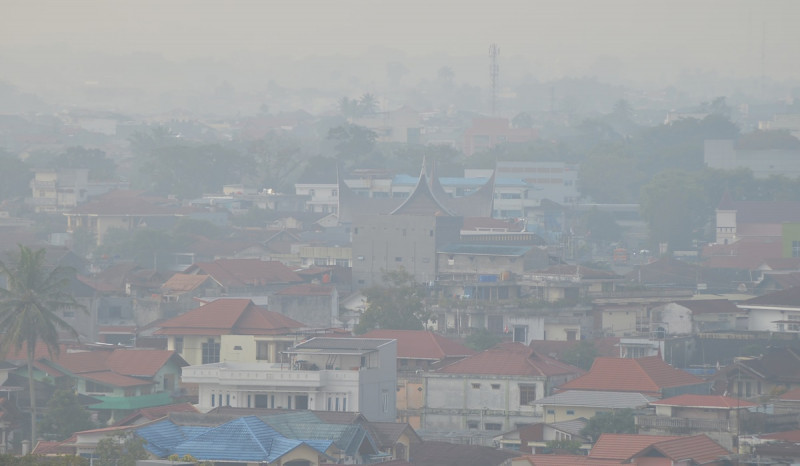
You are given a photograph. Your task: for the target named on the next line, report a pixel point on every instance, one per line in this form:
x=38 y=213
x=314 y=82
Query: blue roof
x=307 y=426
x=244 y=439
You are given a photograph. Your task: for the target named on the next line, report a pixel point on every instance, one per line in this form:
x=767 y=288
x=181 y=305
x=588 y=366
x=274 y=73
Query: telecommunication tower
x=494 y=73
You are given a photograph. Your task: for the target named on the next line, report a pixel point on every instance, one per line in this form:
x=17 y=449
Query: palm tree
x=28 y=305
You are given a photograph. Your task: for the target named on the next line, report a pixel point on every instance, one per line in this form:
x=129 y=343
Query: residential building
x=490 y=392
x=315 y=305
x=575 y=404
x=759 y=221
x=486 y=133
x=555 y=181
x=418 y=351
x=772 y=373
x=650 y=376
x=324 y=374
x=247 y=277
x=534 y=438
x=719 y=417
x=723 y=154
x=59 y=190
x=230 y=329
x=778 y=311
x=689 y=317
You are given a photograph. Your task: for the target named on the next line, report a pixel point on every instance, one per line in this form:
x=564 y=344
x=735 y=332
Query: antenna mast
x=494 y=73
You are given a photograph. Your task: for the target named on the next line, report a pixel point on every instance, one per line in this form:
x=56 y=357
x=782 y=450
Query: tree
x=572 y=447
x=29 y=303
x=65 y=415
x=397 y=305
x=15 y=176
x=120 y=450
x=482 y=339
x=581 y=355
x=674 y=205
x=621 y=421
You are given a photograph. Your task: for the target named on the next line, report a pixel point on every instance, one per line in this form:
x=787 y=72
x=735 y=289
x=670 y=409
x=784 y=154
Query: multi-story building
x=323 y=374
x=59 y=190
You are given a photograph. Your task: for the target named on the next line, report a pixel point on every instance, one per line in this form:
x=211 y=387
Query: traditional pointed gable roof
x=647 y=375
x=246 y=272
x=422 y=200
x=231 y=316
x=352 y=205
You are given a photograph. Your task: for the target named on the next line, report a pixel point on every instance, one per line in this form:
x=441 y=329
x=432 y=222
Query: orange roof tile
x=644 y=375
x=139 y=362
x=115 y=380
x=791 y=395
x=510 y=359
x=705 y=401
x=564 y=460
x=229 y=316
x=792 y=436
x=700 y=449
x=421 y=344
x=183 y=282
x=624 y=446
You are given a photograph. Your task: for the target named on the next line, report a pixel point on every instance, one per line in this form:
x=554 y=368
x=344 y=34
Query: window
x=227 y=400
x=398 y=259
x=179 y=344
x=213 y=398
x=476 y=386
x=527 y=394
x=493 y=426
x=94 y=387
x=795 y=248
x=385 y=400
x=210 y=351
x=472 y=424
x=553 y=411
x=495 y=386
x=68 y=313
x=570 y=412
x=262 y=350
x=344 y=403
x=261 y=401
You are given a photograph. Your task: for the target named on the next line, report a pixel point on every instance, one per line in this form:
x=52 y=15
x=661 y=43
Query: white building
x=323 y=374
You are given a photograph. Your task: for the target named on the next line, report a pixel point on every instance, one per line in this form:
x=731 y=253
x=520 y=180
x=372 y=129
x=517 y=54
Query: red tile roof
x=421 y=344
x=114 y=379
x=705 y=401
x=229 y=316
x=182 y=282
x=791 y=395
x=792 y=436
x=700 y=449
x=246 y=272
x=624 y=446
x=564 y=460
x=644 y=375
x=510 y=359
x=156 y=412
x=127 y=203
x=139 y=362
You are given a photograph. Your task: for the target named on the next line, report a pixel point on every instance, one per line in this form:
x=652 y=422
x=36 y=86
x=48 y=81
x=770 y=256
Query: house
x=788 y=402
x=485 y=133
x=719 y=417
x=246 y=440
x=491 y=391
x=443 y=453
x=568 y=282
x=247 y=276
x=123 y=209
x=690 y=317
x=576 y=404
x=778 y=311
x=775 y=372
x=324 y=374
x=233 y=329
x=418 y=351
x=182 y=288
x=122 y=379
x=533 y=438
x=59 y=190
x=650 y=376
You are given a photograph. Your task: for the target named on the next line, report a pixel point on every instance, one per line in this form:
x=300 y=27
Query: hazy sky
x=722 y=35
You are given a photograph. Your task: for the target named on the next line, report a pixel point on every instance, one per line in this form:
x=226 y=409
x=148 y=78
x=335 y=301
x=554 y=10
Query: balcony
x=684 y=425
x=249 y=374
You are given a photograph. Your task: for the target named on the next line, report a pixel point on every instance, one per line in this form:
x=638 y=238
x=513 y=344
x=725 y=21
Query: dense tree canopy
x=65 y=416
x=621 y=421
x=399 y=304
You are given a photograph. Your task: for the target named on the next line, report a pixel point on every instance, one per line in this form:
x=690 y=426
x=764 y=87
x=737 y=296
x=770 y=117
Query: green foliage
x=36 y=460
x=146 y=247
x=15 y=177
x=397 y=305
x=569 y=446
x=278 y=160
x=601 y=226
x=65 y=416
x=95 y=160
x=29 y=308
x=354 y=144
x=119 y=450
x=621 y=421
x=581 y=355
x=482 y=339
x=672 y=204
